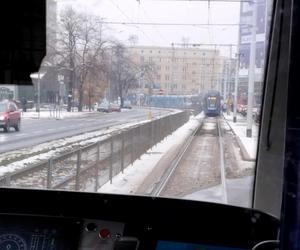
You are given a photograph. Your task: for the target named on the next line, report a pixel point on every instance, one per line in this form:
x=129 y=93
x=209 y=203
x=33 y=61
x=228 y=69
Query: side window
x=12 y=108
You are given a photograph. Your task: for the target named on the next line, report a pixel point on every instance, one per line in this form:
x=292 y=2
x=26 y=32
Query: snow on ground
x=239 y=192
x=133 y=176
x=32 y=155
x=209 y=126
x=53 y=114
x=42 y=152
x=248 y=145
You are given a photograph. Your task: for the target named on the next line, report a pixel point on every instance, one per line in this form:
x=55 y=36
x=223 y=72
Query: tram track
x=222 y=163
x=175 y=163
x=199 y=164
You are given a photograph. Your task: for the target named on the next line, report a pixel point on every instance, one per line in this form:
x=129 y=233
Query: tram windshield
x=155 y=98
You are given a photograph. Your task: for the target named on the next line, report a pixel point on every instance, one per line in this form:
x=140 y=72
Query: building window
x=167 y=67
x=158 y=77
x=167 y=77
x=142 y=59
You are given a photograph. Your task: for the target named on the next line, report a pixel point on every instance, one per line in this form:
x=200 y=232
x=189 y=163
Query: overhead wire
x=158 y=32
x=229 y=1
x=170 y=24
x=128 y=18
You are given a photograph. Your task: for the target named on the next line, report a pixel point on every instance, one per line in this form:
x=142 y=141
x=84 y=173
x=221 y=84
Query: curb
x=244 y=153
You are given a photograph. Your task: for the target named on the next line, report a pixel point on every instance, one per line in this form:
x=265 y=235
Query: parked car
x=115 y=107
x=127 y=105
x=242 y=109
x=104 y=107
x=10 y=116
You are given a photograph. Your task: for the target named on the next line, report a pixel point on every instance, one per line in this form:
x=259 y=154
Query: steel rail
x=174 y=164
x=222 y=163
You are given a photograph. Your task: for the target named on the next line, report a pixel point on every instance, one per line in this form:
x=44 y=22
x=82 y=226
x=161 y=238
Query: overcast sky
x=158 y=11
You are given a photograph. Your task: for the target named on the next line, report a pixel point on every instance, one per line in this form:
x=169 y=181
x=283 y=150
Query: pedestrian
x=224 y=107
x=24 y=104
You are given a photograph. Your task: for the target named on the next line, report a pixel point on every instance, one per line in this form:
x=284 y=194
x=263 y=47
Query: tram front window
x=110 y=109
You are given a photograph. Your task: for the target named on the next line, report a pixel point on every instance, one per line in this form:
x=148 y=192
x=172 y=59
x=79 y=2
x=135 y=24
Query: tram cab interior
x=138 y=222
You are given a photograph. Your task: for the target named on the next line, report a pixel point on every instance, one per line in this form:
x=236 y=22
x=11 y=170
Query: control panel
x=37 y=233
x=119 y=222
x=97 y=234
x=21 y=232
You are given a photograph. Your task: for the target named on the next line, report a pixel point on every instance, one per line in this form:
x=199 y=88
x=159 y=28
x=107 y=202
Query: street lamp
x=251 y=77
x=39 y=75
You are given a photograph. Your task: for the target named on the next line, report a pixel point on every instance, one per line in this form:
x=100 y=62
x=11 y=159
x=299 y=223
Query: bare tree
x=82 y=51
x=79 y=49
x=149 y=74
x=133 y=40
x=123 y=73
x=90 y=52
x=94 y=86
x=67 y=46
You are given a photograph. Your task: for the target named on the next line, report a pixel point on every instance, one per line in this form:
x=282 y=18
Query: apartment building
x=179 y=70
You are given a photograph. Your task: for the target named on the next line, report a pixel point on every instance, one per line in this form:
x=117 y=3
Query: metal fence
x=89 y=167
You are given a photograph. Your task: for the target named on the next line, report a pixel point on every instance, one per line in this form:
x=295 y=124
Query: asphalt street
x=36 y=131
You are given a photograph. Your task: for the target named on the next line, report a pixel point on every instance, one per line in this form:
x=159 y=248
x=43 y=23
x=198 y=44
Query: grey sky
x=164 y=12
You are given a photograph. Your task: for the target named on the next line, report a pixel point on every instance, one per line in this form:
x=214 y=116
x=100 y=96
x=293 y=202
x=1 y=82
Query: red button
x=104 y=233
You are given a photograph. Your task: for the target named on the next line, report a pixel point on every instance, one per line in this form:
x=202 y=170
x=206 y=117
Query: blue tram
x=212 y=103
x=175 y=101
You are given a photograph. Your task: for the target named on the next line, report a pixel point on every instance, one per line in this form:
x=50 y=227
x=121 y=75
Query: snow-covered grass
x=53 y=114
x=134 y=175
x=18 y=159
x=249 y=144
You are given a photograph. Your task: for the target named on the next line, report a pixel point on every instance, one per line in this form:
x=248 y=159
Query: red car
x=10 y=116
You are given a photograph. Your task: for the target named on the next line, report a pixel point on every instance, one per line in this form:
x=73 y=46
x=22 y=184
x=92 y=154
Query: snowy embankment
x=133 y=177
x=248 y=145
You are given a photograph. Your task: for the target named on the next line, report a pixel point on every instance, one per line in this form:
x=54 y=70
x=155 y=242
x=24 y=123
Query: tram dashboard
x=67 y=220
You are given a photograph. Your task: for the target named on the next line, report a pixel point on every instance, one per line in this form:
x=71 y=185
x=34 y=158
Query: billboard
x=245 y=33
x=245 y=55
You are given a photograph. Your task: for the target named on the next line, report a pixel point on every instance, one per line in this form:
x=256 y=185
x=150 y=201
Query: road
x=36 y=131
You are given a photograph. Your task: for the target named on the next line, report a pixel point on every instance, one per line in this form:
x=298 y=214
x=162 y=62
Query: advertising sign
x=245 y=34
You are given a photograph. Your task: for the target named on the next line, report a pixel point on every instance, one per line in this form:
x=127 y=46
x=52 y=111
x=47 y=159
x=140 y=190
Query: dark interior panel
x=23 y=39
